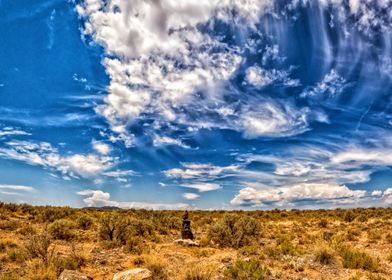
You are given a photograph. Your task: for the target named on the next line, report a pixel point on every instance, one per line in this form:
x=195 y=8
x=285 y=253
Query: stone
x=73 y=275
x=133 y=274
x=187 y=242
x=186 y=232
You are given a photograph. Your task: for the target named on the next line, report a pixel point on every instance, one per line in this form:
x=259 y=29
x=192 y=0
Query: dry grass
x=40 y=242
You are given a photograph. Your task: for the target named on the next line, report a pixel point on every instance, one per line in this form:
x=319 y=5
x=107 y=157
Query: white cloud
x=98 y=198
x=44 y=154
x=16 y=188
x=387 y=196
x=331 y=85
x=200 y=171
x=260 y=77
x=10 y=131
x=120 y=173
x=203 y=187
x=323 y=193
x=269 y=119
x=354 y=6
x=190 y=196
x=101 y=148
x=85 y=165
x=146 y=40
x=165 y=140
x=361 y=155
x=376 y=193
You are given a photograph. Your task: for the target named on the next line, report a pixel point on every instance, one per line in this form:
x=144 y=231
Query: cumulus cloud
x=387 y=196
x=98 y=198
x=376 y=193
x=321 y=193
x=331 y=85
x=260 y=77
x=101 y=148
x=162 y=64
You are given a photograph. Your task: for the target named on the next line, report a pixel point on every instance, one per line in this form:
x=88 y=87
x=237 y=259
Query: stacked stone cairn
x=186 y=232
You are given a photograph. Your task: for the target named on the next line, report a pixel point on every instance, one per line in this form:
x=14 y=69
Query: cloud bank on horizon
x=199 y=104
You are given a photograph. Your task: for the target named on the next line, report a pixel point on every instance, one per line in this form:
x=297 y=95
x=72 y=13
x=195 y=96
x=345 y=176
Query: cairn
x=186 y=232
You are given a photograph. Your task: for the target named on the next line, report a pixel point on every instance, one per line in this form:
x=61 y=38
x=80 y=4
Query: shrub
x=9 y=276
x=107 y=226
x=38 y=247
x=84 y=222
x=27 y=230
x=198 y=274
x=248 y=251
x=5 y=244
x=357 y=260
x=50 y=214
x=362 y=218
x=232 y=231
x=61 y=229
x=158 y=271
x=71 y=262
x=9 y=225
x=114 y=228
x=352 y=234
x=247 y=270
x=16 y=255
x=323 y=223
x=349 y=216
x=143 y=228
x=388 y=238
x=136 y=245
x=325 y=256
x=327 y=235
x=287 y=248
x=373 y=276
x=389 y=257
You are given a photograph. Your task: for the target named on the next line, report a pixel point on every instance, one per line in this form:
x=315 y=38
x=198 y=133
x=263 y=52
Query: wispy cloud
x=15 y=190
x=11 y=131
x=190 y=196
x=165 y=140
x=44 y=154
x=203 y=187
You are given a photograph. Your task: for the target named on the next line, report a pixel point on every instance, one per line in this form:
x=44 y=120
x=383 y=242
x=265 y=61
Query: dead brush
x=38 y=246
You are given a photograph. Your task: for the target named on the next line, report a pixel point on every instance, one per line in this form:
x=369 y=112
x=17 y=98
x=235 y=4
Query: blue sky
x=200 y=104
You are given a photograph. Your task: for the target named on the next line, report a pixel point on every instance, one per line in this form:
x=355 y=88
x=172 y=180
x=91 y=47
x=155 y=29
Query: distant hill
x=104 y=208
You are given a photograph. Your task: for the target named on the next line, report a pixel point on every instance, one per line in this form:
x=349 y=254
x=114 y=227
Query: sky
x=196 y=104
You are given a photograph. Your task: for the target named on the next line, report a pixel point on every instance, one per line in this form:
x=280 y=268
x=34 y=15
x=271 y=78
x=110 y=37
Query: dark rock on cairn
x=186 y=232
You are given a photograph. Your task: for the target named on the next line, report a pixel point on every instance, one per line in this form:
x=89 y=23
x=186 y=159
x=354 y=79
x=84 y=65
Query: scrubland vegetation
x=40 y=242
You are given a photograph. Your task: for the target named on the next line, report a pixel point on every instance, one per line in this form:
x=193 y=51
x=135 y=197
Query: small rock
x=187 y=242
x=227 y=260
x=133 y=274
x=73 y=275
